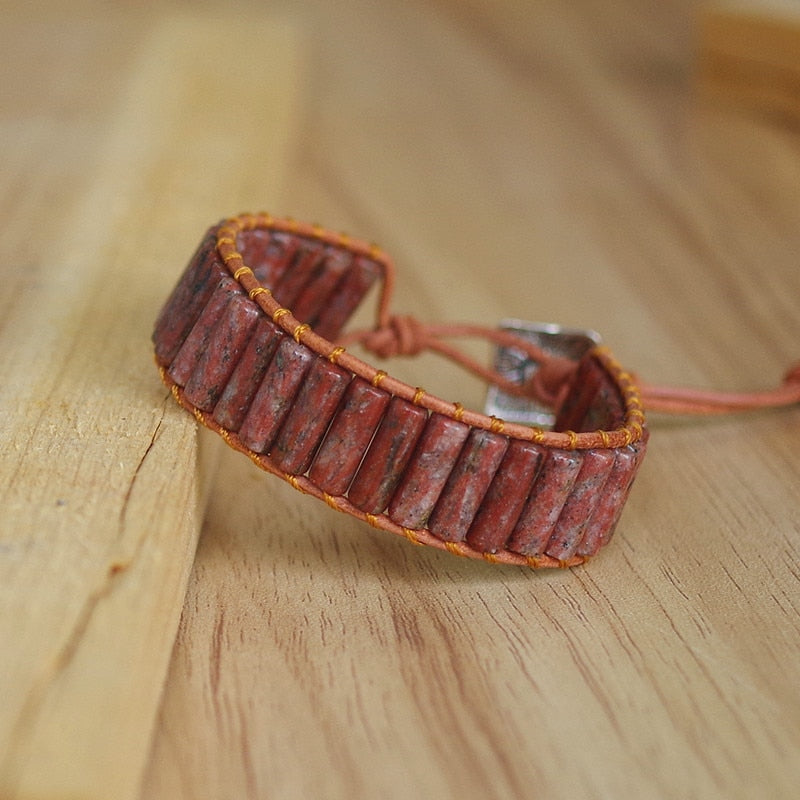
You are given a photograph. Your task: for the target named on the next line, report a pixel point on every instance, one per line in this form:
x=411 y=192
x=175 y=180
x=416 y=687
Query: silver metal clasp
x=515 y=365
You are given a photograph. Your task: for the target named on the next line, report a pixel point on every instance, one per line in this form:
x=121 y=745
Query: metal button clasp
x=517 y=366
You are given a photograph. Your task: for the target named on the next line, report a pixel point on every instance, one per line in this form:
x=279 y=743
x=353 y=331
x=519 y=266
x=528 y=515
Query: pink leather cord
x=675 y=400
x=407 y=336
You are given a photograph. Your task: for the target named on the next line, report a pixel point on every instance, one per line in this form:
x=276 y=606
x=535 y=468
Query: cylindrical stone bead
x=601 y=526
x=543 y=507
x=387 y=456
x=299 y=273
x=605 y=411
x=225 y=346
x=467 y=485
x=584 y=386
x=268 y=254
x=188 y=299
x=255 y=246
x=196 y=343
x=428 y=471
x=583 y=500
x=506 y=496
x=242 y=385
x=344 y=300
x=309 y=416
x=317 y=291
x=275 y=394
x=347 y=439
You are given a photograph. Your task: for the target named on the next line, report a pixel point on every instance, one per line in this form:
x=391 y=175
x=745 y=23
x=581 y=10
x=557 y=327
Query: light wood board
x=548 y=164
x=546 y=161
x=749 y=55
x=117 y=147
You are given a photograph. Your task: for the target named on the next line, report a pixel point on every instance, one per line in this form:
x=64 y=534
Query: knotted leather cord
x=396 y=335
x=406 y=336
x=676 y=400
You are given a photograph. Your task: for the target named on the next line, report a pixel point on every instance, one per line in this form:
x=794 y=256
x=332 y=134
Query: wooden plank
x=547 y=164
x=749 y=54
x=101 y=481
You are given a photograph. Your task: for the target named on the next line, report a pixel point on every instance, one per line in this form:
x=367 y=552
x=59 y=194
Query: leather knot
x=551 y=381
x=403 y=336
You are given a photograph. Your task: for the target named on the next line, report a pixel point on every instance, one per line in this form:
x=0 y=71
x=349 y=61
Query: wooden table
x=545 y=161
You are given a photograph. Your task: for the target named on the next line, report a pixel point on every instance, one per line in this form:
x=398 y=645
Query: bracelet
x=250 y=341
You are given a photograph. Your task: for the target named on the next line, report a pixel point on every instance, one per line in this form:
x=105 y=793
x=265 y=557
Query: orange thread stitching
x=378 y=377
x=300 y=330
x=334 y=354
x=254 y=457
x=331 y=501
x=497 y=426
x=411 y=536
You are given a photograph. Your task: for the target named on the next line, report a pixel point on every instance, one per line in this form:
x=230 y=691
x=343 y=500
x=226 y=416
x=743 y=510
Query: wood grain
x=549 y=164
x=101 y=482
x=750 y=55
x=546 y=161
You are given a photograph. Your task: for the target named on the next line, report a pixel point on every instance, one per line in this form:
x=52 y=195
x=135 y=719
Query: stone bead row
x=438 y=480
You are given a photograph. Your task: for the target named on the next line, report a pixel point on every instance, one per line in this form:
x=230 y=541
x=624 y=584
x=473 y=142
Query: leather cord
x=406 y=336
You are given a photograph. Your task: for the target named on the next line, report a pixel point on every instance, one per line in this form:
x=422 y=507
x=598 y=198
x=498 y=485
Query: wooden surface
x=749 y=54
x=101 y=482
x=550 y=164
